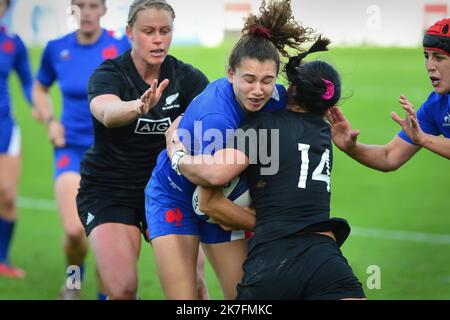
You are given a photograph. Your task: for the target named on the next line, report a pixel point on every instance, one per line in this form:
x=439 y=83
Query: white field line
x=37 y=204
x=401 y=235
x=363 y=232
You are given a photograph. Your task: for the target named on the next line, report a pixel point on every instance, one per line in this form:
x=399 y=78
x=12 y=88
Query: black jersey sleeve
x=194 y=82
x=106 y=79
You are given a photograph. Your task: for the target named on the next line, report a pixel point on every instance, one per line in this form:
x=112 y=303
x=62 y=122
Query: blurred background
x=400 y=220
x=206 y=22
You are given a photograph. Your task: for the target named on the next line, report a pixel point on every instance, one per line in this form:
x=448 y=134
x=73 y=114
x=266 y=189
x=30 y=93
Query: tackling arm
x=224 y=211
x=217 y=170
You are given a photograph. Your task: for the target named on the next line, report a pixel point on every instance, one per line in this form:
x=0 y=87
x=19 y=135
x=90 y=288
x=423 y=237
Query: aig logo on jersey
x=149 y=126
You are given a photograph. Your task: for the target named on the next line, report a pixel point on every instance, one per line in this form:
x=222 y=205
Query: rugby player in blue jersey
x=70 y=60
x=428 y=128
x=131 y=114
x=174 y=228
x=294 y=253
x=13 y=56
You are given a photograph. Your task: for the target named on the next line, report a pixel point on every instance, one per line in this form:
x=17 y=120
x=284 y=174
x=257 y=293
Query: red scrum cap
x=437 y=37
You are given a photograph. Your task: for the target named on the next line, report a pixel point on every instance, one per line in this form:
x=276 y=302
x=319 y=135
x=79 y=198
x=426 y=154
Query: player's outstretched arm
x=112 y=112
x=385 y=158
x=438 y=145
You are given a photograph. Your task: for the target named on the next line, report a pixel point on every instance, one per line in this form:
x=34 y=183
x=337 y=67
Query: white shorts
x=9 y=138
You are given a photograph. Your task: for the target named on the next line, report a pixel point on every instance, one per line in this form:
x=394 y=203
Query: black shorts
x=97 y=206
x=307 y=266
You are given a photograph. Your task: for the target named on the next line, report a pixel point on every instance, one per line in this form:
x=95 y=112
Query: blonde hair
x=140 y=5
x=103 y=2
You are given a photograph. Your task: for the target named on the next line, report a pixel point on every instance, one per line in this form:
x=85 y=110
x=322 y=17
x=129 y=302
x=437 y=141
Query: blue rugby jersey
x=71 y=64
x=13 y=56
x=215 y=108
x=433 y=116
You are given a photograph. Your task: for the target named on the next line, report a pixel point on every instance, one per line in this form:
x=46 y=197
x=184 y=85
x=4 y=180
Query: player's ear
x=105 y=9
x=128 y=32
x=230 y=75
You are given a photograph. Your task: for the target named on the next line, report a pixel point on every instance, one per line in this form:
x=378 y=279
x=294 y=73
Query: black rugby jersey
x=123 y=158
x=293 y=194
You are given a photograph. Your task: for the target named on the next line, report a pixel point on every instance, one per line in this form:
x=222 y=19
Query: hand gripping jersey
x=71 y=64
x=433 y=116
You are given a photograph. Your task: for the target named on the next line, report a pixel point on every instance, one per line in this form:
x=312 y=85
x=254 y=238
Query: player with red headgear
x=421 y=129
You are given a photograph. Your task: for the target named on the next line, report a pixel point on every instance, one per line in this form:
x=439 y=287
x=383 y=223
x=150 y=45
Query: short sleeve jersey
x=291 y=159
x=433 y=116
x=208 y=123
x=123 y=158
x=71 y=64
x=13 y=56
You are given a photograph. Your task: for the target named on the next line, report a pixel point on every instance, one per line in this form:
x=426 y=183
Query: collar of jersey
x=134 y=74
x=74 y=39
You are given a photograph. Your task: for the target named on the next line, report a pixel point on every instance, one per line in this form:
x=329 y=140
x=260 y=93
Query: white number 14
x=318 y=174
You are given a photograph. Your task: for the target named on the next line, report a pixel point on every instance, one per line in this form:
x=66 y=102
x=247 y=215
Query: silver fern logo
x=171 y=99
x=170 y=102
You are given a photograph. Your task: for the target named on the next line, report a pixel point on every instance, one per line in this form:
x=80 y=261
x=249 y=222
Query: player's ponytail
x=316 y=85
x=266 y=36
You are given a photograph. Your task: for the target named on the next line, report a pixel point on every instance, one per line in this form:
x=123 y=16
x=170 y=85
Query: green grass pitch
x=412 y=199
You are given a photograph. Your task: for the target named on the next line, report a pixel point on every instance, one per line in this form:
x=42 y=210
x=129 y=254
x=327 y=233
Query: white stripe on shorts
x=14 y=143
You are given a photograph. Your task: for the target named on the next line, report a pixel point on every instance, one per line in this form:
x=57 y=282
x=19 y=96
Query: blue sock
x=82 y=272
x=101 y=296
x=6 y=232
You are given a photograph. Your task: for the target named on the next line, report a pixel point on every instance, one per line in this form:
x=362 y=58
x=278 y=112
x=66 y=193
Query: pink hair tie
x=329 y=93
x=261 y=31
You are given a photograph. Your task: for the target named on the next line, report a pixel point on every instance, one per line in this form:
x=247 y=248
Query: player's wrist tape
x=176 y=159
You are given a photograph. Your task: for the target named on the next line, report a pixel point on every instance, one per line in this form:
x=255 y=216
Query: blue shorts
x=67 y=159
x=9 y=138
x=166 y=216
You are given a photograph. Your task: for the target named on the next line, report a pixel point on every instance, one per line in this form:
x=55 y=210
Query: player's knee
x=7 y=197
x=123 y=291
x=75 y=236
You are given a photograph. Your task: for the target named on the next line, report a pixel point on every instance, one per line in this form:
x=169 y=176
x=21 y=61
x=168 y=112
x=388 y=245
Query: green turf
x=411 y=199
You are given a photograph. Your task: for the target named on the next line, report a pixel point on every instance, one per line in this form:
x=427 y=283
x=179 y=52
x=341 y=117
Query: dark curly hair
x=266 y=36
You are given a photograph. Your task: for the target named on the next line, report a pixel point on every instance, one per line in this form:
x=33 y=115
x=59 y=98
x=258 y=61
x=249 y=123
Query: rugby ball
x=237 y=191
